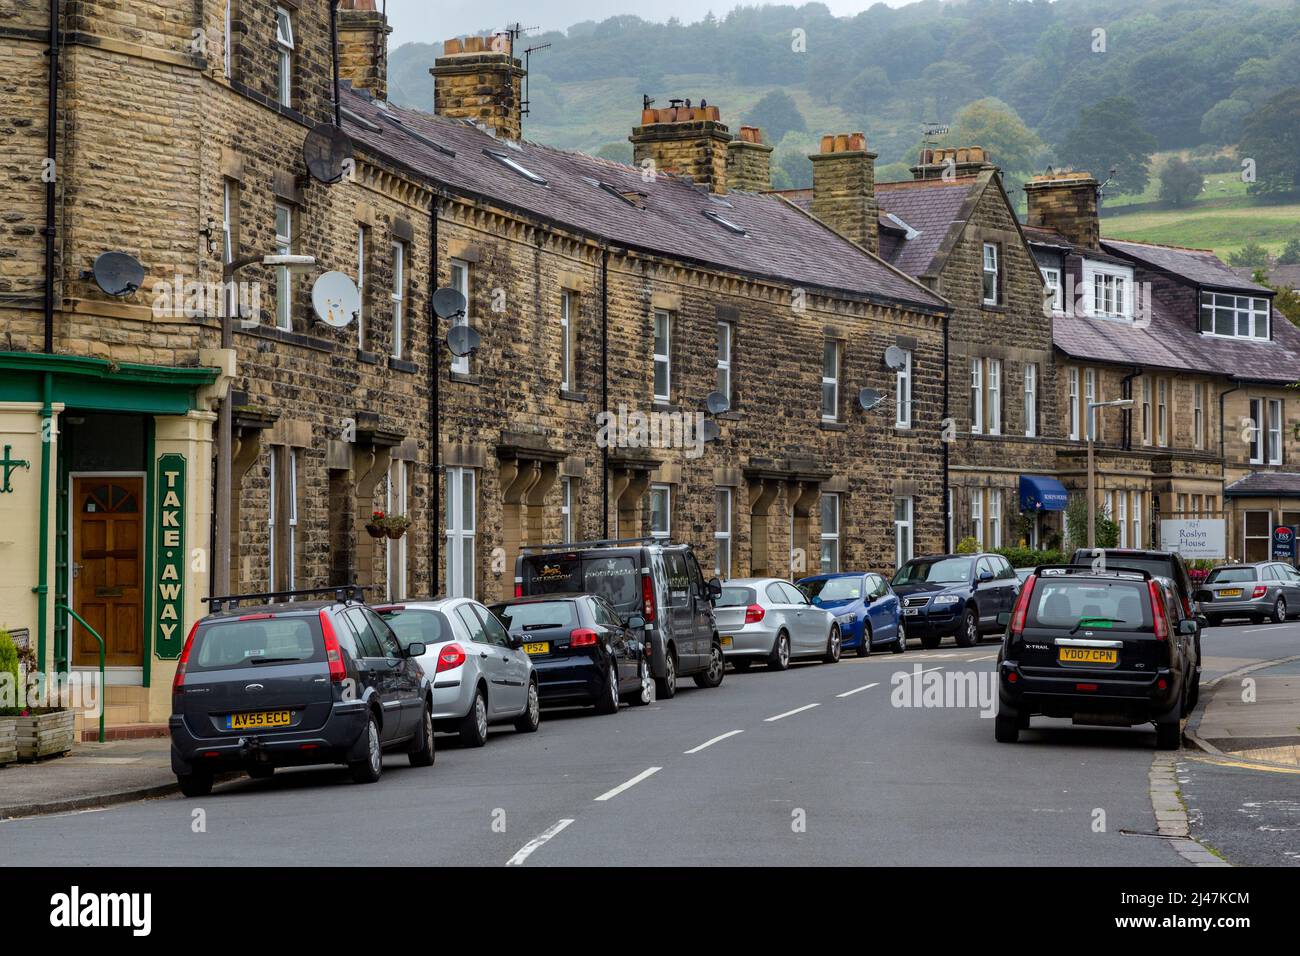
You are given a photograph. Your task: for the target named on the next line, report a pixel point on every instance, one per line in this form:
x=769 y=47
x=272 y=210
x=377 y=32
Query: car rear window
x=942 y=571
x=616 y=578
x=735 y=597
x=412 y=626
x=1231 y=576
x=833 y=589
x=536 y=615
x=1164 y=567
x=221 y=645
x=1123 y=605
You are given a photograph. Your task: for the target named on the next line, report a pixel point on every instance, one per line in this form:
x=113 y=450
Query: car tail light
x=1260 y=590
x=582 y=637
x=1021 y=611
x=256 y=617
x=333 y=653
x=179 y=680
x=754 y=613
x=648 y=598
x=1085 y=687
x=1158 y=611
x=451 y=656
x=519 y=589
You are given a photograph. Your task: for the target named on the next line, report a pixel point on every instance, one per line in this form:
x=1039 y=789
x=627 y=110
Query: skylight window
x=636 y=200
x=518 y=167
x=419 y=137
x=360 y=120
x=911 y=233
x=724 y=222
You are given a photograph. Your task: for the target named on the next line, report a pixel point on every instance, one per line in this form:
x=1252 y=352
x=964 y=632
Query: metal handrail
x=103 y=687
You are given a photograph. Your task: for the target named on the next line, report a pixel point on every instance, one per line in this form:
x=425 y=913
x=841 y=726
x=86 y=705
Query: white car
x=480 y=674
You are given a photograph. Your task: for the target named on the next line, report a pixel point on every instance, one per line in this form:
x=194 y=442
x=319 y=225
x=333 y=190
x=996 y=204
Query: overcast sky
x=427 y=21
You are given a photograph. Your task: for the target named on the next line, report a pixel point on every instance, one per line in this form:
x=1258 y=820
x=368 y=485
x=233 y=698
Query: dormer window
x=1108 y=290
x=1235 y=316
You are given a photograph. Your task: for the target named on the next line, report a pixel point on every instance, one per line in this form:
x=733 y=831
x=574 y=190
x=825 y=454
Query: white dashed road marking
x=710 y=743
x=611 y=794
x=850 y=693
x=528 y=848
x=790 y=713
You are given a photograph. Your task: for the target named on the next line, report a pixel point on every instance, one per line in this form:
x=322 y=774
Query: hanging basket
x=395 y=532
x=374 y=530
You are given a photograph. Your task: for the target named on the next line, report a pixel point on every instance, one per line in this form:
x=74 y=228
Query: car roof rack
x=602 y=543
x=343 y=593
x=1060 y=570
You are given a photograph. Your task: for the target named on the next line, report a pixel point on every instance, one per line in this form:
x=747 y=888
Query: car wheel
x=666 y=686
x=833 y=650
x=607 y=703
x=741 y=664
x=369 y=768
x=640 y=697
x=261 y=771
x=1279 y=610
x=195 y=784
x=1006 y=728
x=1169 y=728
x=779 y=659
x=423 y=753
x=931 y=641
x=864 y=649
x=969 y=635
x=712 y=676
x=900 y=645
x=1022 y=721
x=474 y=725
x=531 y=718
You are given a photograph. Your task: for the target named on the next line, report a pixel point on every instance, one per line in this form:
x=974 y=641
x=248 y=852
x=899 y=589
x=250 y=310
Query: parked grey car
x=1267 y=590
x=769 y=619
x=480 y=674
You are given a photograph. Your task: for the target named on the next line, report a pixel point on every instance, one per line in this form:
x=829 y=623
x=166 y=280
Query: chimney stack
x=844 y=188
x=749 y=161
x=1067 y=203
x=363 y=46
x=961 y=160
x=690 y=140
x=479 y=79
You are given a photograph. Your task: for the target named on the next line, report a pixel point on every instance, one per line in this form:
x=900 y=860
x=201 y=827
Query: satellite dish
x=462 y=340
x=448 y=302
x=117 y=273
x=335 y=299
x=717 y=403
x=327 y=150
x=709 y=430
x=895 y=357
x=869 y=398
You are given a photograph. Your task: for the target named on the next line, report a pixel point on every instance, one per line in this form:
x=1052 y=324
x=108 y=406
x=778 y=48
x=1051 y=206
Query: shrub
x=8 y=665
x=968 y=545
x=1030 y=557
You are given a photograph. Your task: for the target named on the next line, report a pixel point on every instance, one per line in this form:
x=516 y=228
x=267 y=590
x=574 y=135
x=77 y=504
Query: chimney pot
x=689 y=139
x=844 y=188
x=477 y=78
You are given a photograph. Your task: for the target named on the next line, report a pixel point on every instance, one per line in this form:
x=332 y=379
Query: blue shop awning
x=1039 y=493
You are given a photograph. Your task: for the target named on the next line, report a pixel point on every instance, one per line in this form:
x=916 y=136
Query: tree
x=1108 y=136
x=616 y=152
x=1290 y=255
x=998 y=128
x=1180 y=182
x=1287 y=301
x=1222 y=121
x=776 y=114
x=1271 y=139
x=1251 y=254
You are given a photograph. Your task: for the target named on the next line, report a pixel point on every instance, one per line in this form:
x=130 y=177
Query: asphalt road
x=814 y=766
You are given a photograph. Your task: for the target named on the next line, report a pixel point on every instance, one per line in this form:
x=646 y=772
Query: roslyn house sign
x=7 y=466
x=169 y=584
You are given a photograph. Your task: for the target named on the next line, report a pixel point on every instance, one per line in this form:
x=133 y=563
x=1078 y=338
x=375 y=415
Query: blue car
x=864 y=605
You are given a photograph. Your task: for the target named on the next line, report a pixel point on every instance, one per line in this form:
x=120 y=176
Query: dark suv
x=288 y=683
x=1165 y=564
x=1110 y=648
x=658 y=580
x=954 y=594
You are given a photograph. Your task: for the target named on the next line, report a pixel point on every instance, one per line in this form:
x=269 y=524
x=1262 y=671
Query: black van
x=657 y=579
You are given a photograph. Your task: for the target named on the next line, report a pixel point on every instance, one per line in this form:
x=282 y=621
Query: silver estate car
x=480 y=674
x=1267 y=590
x=769 y=619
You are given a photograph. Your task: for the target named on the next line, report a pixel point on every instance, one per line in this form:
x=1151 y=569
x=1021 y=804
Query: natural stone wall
x=844 y=189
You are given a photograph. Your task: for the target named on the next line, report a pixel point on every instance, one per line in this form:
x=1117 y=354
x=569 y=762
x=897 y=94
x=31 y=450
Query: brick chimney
x=749 y=161
x=363 y=46
x=689 y=140
x=961 y=160
x=1067 y=203
x=844 y=188
x=478 y=78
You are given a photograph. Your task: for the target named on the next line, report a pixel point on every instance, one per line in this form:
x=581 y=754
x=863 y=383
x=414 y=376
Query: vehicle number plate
x=261 y=718
x=537 y=647
x=1088 y=655
x=911 y=611
x=726 y=640
x=1230 y=592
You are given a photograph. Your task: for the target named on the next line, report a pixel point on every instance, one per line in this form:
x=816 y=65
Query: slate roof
x=1264 y=484
x=1196 y=265
x=1282 y=276
x=781 y=242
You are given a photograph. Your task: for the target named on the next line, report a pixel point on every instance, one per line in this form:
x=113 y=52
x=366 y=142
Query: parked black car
x=1109 y=648
x=954 y=594
x=293 y=683
x=583 y=651
x=1165 y=564
x=656 y=579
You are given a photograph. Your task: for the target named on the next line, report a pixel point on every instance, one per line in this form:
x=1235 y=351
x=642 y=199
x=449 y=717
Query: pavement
x=821 y=765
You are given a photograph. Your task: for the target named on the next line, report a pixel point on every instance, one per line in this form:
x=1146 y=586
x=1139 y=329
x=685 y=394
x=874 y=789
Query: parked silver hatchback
x=769 y=619
x=480 y=674
x=1267 y=590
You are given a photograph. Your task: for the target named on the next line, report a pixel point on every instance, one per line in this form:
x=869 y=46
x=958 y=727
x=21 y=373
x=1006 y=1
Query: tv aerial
x=116 y=273
x=335 y=299
x=327 y=151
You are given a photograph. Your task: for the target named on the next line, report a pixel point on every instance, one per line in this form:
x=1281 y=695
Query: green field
x=1223 y=225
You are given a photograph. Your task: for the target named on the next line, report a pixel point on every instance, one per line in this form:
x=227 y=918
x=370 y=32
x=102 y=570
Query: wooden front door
x=108 y=564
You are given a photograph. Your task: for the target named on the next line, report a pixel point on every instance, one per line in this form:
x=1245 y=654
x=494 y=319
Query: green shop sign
x=169 y=530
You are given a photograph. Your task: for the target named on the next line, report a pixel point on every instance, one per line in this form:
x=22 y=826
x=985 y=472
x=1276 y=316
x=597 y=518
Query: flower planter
x=45 y=735
x=395 y=533
x=8 y=740
x=375 y=531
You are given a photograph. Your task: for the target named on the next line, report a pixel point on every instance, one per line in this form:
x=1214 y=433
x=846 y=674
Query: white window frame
x=722 y=532
x=1162 y=413
x=397 y=503
x=461 y=281
x=566 y=340
x=991 y=268
x=1136 y=516
x=567 y=512
x=832 y=537
x=1089 y=397
x=1122 y=519
x=951 y=518
x=284 y=42
x=1031 y=400
x=977 y=515
x=663 y=355
x=1198 y=415
x=1116 y=298
x=1256 y=409
x=283 y=277
x=903 y=392
x=993 y=377
x=1252 y=313
x=1072 y=402
x=977 y=396
x=1148 y=435
x=227 y=59
x=291 y=522
x=273 y=481
x=1273 y=445
x=831 y=381
x=995 y=518
x=362 y=236
x=726 y=331
x=665 y=533
x=1052 y=279
x=461 y=529
x=904 y=540
x=398 y=296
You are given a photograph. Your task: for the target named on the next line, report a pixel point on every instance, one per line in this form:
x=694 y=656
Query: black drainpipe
x=945 y=508
x=435 y=411
x=1126 y=391
x=51 y=149
x=604 y=388
x=334 y=57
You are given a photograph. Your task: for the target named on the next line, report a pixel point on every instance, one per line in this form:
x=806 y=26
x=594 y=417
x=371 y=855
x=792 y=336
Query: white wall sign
x=1195 y=537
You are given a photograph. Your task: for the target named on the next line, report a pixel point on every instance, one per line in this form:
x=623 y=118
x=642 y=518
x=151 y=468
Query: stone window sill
x=465 y=378
x=402 y=365
x=834 y=426
x=570 y=396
